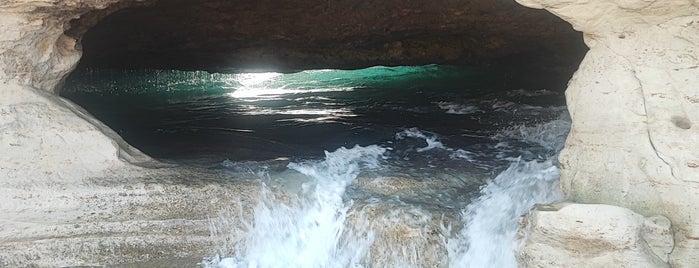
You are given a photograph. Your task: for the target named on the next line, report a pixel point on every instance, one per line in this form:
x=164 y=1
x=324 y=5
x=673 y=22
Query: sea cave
x=212 y=133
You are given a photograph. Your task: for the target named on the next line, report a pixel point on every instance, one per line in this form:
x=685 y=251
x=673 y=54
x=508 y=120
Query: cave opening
x=138 y=58
x=431 y=102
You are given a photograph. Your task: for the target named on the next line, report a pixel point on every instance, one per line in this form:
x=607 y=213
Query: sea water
x=406 y=166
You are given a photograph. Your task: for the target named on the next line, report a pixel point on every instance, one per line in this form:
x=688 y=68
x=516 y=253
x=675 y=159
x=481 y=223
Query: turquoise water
x=431 y=142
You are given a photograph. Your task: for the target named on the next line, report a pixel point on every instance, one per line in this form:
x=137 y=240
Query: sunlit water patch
x=412 y=166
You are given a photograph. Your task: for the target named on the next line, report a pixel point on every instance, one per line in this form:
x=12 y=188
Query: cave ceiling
x=220 y=35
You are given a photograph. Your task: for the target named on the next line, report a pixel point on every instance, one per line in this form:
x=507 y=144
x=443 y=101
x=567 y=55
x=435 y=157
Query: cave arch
x=222 y=36
x=623 y=61
x=526 y=47
x=522 y=44
x=641 y=69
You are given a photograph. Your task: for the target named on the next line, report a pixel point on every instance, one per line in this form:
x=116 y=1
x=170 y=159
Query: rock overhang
x=226 y=36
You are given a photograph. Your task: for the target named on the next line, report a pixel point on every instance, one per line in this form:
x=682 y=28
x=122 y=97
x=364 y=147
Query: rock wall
x=69 y=192
x=69 y=195
x=34 y=50
x=634 y=104
x=46 y=139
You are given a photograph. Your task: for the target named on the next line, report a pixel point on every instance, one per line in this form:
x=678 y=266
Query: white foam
x=228 y=163
x=431 y=139
x=503 y=105
x=462 y=154
x=309 y=232
x=490 y=221
x=312 y=231
x=550 y=135
x=454 y=108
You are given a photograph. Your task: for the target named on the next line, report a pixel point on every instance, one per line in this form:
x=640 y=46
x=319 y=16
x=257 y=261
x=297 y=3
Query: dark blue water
x=258 y=116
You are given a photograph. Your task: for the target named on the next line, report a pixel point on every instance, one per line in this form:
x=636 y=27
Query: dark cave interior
x=494 y=46
x=524 y=45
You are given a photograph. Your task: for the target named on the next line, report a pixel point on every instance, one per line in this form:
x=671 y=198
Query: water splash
x=323 y=229
x=550 y=135
x=310 y=215
x=490 y=222
x=310 y=230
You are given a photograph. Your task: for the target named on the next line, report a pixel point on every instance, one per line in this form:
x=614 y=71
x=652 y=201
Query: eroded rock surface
x=588 y=235
x=45 y=138
x=69 y=197
x=155 y=215
x=633 y=104
x=34 y=50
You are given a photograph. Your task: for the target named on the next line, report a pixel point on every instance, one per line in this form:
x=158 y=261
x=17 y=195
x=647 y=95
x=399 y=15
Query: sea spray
x=490 y=222
x=309 y=232
x=322 y=228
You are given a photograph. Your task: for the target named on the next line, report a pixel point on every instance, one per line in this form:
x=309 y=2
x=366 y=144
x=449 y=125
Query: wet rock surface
x=119 y=221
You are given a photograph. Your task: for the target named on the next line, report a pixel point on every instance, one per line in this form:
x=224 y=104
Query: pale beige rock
x=403 y=235
x=34 y=50
x=633 y=103
x=68 y=196
x=581 y=235
x=44 y=139
x=113 y=220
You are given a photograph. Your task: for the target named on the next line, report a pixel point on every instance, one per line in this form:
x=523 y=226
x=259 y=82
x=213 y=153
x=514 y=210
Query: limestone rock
x=69 y=197
x=588 y=235
x=403 y=235
x=43 y=140
x=34 y=50
x=634 y=110
x=150 y=219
